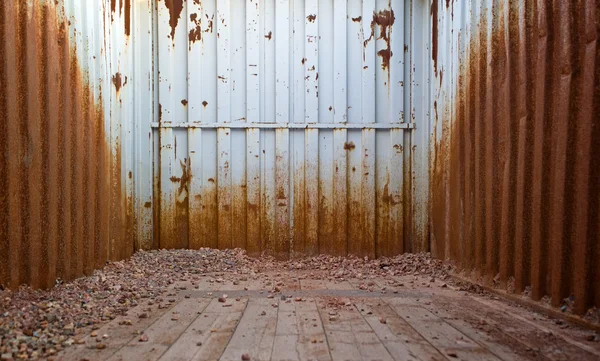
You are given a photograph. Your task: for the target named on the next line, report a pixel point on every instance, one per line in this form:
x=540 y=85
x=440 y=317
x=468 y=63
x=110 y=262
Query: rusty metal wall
x=63 y=204
x=291 y=126
x=515 y=166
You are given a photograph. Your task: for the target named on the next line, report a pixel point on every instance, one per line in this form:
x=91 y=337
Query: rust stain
x=117 y=81
x=196 y=31
x=349 y=146
x=56 y=186
x=175 y=8
x=311 y=18
x=184 y=102
x=174 y=221
x=384 y=19
x=148 y=205
x=204 y=103
x=209 y=27
x=388 y=198
x=510 y=175
x=357 y=19
x=113 y=8
x=434 y=33
x=127 y=17
x=269 y=35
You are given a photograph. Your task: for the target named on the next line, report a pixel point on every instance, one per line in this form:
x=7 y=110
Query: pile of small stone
x=359 y=267
x=40 y=323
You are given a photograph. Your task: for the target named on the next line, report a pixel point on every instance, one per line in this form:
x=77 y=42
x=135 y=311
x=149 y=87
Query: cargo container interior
x=468 y=129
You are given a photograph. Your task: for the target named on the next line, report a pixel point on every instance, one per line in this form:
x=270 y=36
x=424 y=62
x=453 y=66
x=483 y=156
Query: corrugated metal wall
x=515 y=166
x=287 y=126
x=63 y=207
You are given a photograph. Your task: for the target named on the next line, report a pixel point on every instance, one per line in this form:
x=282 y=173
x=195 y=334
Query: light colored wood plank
x=255 y=333
x=448 y=340
x=299 y=334
x=208 y=335
x=230 y=305
x=349 y=336
x=118 y=334
x=399 y=338
x=163 y=333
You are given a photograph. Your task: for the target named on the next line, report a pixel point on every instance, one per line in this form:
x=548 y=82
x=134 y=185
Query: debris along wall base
x=515 y=180
x=64 y=206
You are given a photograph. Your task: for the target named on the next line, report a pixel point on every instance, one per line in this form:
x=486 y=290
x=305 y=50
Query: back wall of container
x=287 y=127
x=283 y=127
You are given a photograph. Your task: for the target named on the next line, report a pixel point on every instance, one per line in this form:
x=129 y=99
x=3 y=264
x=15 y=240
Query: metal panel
x=514 y=166
x=65 y=195
x=282 y=124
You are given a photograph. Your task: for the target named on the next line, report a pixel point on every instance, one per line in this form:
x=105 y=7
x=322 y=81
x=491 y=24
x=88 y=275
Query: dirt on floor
x=125 y=298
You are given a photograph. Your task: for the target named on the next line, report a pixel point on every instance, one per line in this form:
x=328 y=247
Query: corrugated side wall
x=64 y=203
x=515 y=166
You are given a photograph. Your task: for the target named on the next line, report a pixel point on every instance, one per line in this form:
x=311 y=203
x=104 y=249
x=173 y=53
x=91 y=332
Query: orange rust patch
x=117 y=81
x=311 y=18
x=384 y=19
x=434 y=33
x=56 y=185
x=175 y=8
x=349 y=145
x=511 y=181
x=195 y=32
x=269 y=35
x=127 y=17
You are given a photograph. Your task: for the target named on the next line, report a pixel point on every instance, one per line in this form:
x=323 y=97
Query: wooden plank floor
x=306 y=317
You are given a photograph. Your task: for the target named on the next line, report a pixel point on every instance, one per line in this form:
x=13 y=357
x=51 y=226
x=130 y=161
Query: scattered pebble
x=49 y=320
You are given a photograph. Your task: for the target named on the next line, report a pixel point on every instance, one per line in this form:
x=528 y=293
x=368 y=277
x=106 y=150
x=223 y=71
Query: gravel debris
x=47 y=321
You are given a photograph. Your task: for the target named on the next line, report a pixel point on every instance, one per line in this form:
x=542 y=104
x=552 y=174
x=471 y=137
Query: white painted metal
x=245 y=125
x=281 y=129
